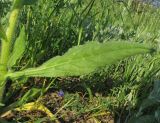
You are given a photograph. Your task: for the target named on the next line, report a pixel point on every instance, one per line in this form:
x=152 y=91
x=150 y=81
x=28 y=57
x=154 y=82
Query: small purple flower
x=61 y=93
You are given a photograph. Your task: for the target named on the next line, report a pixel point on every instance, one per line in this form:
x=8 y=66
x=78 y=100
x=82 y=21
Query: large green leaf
x=18 y=49
x=84 y=59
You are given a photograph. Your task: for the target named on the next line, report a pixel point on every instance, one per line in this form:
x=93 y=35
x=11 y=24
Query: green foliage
x=53 y=26
x=152 y=100
x=2 y=33
x=144 y=119
x=157 y=115
x=18 y=49
x=40 y=120
x=29 y=2
x=1 y=105
x=84 y=59
x=30 y=95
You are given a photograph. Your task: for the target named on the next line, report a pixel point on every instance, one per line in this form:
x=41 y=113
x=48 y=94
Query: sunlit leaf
x=18 y=49
x=84 y=59
x=1 y=105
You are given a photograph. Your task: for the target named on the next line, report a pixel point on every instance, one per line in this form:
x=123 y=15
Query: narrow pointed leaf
x=84 y=59
x=30 y=95
x=18 y=49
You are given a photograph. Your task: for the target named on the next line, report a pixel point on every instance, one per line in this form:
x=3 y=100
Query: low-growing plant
x=149 y=110
x=79 y=60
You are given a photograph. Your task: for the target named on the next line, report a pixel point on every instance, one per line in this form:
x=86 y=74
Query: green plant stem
x=2 y=89
x=6 y=44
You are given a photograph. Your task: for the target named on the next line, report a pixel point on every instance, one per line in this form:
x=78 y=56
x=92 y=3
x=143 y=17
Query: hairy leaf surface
x=84 y=59
x=18 y=49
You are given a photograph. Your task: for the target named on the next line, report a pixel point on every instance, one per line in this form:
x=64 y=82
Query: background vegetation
x=126 y=92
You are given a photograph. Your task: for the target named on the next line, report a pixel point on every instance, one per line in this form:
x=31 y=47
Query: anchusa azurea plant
x=77 y=61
